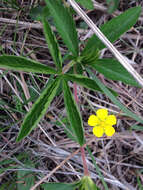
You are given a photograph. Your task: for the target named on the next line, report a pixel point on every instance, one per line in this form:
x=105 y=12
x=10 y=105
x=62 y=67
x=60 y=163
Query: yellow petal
x=102 y=114
x=93 y=120
x=109 y=130
x=111 y=120
x=98 y=131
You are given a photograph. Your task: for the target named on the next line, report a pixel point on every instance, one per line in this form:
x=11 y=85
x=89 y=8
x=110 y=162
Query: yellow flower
x=102 y=123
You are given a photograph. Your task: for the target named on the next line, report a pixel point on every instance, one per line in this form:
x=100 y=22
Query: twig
x=24 y=24
x=61 y=164
x=54 y=170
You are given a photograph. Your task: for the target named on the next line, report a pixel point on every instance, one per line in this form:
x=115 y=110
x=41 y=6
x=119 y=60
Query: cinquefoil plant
x=79 y=61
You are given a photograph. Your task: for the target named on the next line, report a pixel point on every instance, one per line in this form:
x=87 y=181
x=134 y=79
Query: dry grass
x=119 y=158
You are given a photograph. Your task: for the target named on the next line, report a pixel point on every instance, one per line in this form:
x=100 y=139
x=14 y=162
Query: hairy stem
x=86 y=172
x=75 y=92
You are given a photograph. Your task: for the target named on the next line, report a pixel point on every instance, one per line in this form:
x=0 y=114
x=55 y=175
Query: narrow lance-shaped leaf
x=64 y=24
x=137 y=127
x=37 y=12
x=52 y=43
x=73 y=114
x=114 y=99
x=86 y=3
x=60 y=186
x=28 y=182
x=114 y=28
x=38 y=109
x=84 y=81
x=88 y=184
x=23 y=64
x=112 y=69
x=112 y=5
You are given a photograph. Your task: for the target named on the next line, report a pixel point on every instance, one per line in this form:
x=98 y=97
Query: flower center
x=102 y=124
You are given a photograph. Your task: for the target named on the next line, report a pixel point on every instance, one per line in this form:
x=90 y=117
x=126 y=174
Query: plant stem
x=86 y=172
x=75 y=92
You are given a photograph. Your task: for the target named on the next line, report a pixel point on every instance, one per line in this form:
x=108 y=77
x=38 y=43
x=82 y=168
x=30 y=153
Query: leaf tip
x=18 y=139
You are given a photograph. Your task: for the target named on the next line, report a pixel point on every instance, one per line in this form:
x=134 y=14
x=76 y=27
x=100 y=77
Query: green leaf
x=23 y=64
x=137 y=127
x=84 y=81
x=25 y=180
x=86 y=3
x=112 y=5
x=78 y=68
x=60 y=186
x=36 y=13
x=64 y=24
x=10 y=184
x=90 y=57
x=140 y=185
x=52 y=43
x=88 y=184
x=114 y=99
x=114 y=28
x=112 y=69
x=73 y=114
x=38 y=109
